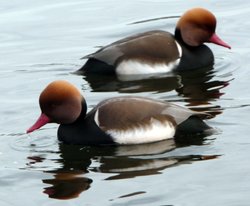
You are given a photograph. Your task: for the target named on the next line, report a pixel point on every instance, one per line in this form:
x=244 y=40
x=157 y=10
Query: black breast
x=83 y=132
x=196 y=58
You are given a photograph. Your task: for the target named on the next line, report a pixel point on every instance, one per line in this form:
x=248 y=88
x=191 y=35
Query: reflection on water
x=133 y=84
x=68 y=180
x=199 y=86
x=201 y=89
x=66 y=185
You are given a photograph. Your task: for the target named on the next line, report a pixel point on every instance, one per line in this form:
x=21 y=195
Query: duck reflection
x=201 y=88
x=132 y=83
x=66 y=185
x=75 y=162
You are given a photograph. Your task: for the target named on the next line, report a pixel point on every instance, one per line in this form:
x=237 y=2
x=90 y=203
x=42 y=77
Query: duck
x=158 y=51
x=122 y=120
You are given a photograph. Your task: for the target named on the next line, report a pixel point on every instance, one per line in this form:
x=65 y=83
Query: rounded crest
x=196 y=26
x=61 y=102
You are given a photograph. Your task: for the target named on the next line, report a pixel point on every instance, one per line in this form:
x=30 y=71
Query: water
x=41 y=41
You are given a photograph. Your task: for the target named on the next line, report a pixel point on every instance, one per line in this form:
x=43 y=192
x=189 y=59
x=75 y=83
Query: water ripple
x=26 y=142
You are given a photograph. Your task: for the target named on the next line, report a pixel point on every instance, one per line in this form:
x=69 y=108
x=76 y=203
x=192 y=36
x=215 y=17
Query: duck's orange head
x=60 y=102
x=197 y=26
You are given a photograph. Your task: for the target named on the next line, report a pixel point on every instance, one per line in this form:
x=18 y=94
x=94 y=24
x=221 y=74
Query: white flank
x=179 y=49
x=156 y=131
x=137 y=67
x=96 y=118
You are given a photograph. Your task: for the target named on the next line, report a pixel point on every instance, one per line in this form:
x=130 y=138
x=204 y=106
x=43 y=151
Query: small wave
x=26 y=142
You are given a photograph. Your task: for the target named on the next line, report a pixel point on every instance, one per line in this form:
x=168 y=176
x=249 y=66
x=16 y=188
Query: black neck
x=83 y=112
x=177 y=35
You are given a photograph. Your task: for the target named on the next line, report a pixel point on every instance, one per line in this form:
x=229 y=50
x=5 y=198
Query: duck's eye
x=53 y=106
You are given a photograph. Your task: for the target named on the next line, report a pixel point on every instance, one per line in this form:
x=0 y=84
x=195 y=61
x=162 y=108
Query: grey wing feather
x=181 y=114
x=108 y=54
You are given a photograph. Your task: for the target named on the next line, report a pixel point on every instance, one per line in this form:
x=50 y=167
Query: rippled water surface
x=41 y=41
